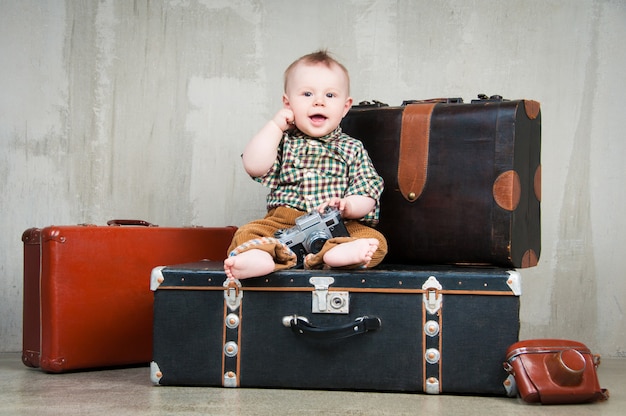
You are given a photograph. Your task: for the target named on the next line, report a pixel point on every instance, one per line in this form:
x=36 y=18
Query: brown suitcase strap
x=413 y=158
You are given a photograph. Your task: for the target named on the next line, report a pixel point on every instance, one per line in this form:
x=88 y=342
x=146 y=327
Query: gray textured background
x=140 y=109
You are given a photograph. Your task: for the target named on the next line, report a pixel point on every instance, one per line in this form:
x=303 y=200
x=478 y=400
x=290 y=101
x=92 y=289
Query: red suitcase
x=87 y=298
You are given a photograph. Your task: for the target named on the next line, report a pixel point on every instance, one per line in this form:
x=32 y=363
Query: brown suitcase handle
x=117 y=223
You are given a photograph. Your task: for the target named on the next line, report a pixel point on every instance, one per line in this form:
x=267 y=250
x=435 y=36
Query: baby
x=309 y=164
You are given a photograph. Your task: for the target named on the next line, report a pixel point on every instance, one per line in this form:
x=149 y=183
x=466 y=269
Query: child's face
x=318 y=97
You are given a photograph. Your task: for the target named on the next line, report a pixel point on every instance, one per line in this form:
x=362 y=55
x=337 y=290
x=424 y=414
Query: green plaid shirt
x=309 y=171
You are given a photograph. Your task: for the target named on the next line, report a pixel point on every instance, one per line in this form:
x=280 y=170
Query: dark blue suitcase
x=406 y=328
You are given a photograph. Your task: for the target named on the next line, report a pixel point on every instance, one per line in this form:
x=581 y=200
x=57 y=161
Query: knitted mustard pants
x=259 y=234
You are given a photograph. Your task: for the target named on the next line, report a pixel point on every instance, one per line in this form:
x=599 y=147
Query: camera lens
x=315 y=241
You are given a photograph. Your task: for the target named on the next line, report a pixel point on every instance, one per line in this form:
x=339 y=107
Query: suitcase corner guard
x=155 y=373
x=156 y=278
x=515 y=282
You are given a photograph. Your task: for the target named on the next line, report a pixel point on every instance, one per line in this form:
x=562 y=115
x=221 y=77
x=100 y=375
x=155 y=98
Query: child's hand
x=339 y=203
x=284 y=119
x=261 y=151
x=351 y=207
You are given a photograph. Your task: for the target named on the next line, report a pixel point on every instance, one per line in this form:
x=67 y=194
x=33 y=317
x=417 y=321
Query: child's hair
x=321 y=56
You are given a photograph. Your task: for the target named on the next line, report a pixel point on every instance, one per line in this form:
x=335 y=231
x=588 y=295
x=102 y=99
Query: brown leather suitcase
x=462 y=180
x=87 y=298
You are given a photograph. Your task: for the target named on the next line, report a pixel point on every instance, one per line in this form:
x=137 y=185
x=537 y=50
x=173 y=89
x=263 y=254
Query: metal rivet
x=431 y=328
x=412 y=196
x=232 y=321
x=230 y=349
x=432 y=356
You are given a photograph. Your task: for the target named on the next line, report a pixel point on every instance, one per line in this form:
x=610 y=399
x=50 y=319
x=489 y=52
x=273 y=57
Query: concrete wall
x=140 y=109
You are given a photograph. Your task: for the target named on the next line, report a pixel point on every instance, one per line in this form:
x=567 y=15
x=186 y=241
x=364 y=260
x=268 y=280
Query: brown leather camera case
x=554 y=371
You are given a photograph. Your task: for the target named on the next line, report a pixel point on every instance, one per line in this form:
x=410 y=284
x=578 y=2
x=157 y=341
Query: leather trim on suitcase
x=340 y=289
x=414 y=139
x=532 y=108
x=232 y=333
x=431 y=337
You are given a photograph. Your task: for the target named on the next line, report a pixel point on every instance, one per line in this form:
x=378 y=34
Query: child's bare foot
x=251 y=263
x=357 y=252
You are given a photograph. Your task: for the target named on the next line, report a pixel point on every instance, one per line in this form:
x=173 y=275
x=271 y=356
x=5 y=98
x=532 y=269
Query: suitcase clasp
x=324 y=301
x=432 y=295
x=233 y=293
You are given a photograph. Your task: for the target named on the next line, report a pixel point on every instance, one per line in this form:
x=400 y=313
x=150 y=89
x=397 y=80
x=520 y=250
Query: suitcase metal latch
x=432 y=295
x=232 y=293
x=324 y=301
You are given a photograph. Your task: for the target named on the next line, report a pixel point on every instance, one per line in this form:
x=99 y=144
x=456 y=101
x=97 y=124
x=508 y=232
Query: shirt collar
x=333 y=135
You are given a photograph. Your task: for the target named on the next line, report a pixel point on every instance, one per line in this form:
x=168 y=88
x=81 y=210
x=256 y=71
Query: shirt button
x=309 y=174
x=309 y=197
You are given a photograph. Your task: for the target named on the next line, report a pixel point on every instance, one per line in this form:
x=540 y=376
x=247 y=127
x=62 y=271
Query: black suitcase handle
x=301 y=326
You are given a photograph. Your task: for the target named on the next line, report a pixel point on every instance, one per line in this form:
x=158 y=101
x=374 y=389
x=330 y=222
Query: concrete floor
x=26 y=391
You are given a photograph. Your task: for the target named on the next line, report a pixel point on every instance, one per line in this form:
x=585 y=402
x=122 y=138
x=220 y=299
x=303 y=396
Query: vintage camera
x=312 y=231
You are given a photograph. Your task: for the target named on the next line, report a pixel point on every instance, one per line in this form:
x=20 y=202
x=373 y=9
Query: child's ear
x=286 y=101
x=347 y=106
